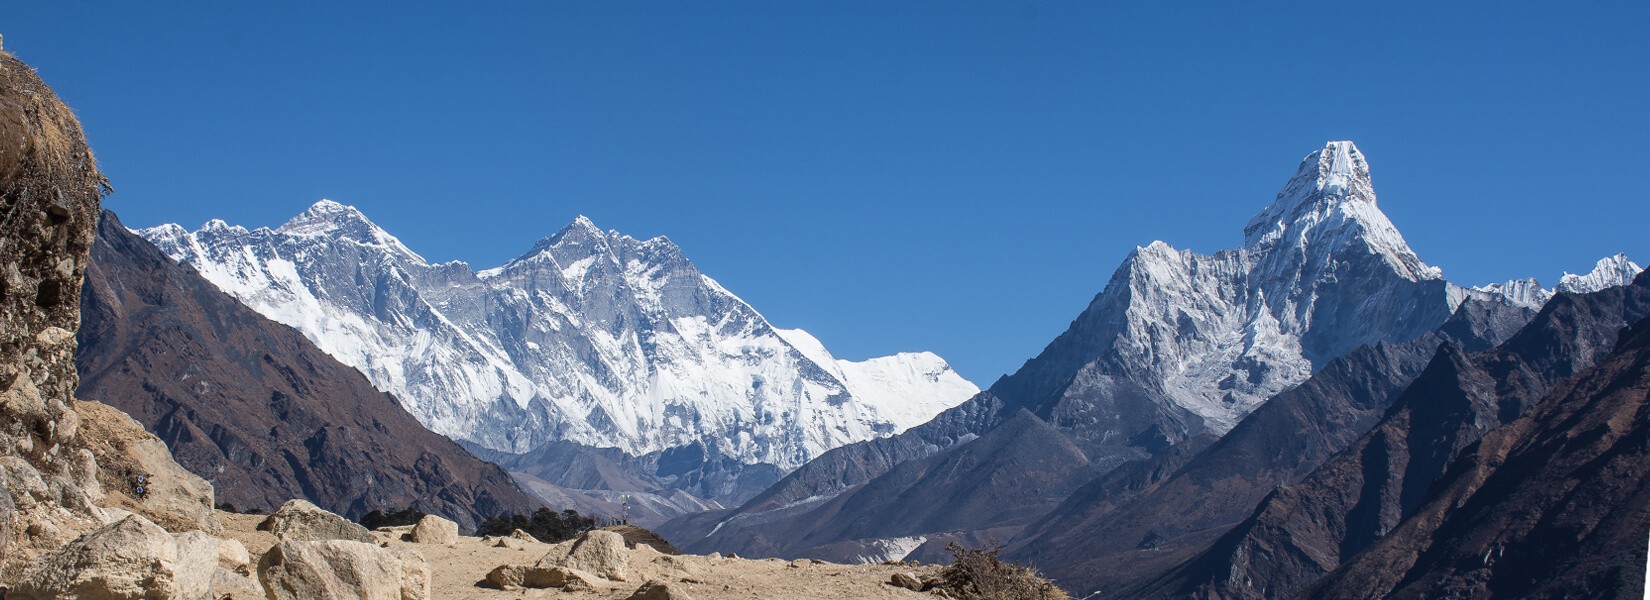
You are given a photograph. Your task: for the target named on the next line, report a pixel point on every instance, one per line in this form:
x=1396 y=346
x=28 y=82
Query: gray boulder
x=130 y=558
x=299 y=520
x=342 y=569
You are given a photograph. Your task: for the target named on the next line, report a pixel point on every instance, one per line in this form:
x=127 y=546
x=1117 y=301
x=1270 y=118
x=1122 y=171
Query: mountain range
x=1190 y=387
x=590 y=337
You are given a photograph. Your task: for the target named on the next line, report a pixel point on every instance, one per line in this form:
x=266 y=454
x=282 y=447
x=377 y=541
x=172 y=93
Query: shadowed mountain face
x=1304 y=531
x=1134 y=532
x=1555 y=504
x=253 y=406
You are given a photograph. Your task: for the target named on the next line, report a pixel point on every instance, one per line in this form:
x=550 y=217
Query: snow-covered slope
x=592 y=337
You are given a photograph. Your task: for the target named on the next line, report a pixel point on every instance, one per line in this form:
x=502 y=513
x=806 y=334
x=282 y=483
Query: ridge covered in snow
x=592 y=337
x=1610 y=271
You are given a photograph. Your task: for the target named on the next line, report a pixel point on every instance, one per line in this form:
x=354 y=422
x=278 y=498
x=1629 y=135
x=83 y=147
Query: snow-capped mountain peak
x=1610 y=271
x=343 y=222
x=1330 y=204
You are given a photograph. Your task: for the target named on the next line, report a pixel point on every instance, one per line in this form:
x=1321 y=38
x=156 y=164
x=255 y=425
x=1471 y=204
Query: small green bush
x=977 y=574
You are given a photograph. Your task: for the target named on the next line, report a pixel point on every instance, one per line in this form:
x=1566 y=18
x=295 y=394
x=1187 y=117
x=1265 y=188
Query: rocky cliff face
x=253 y=406
x=50 y=471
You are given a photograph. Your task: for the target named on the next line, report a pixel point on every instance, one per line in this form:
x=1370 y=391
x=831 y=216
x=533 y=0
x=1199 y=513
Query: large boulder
x=599 y=552
x=511 y=577
x=130 y=558
x=659 y=590
x=435 y=530
x=342 y=569
x=301 y=521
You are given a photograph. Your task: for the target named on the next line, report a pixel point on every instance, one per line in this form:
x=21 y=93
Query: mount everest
x=590 y=337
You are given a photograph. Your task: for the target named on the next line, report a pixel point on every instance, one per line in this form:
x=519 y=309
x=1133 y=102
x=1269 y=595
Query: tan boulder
x=905 y=580
x=435 y=530
x=130 y=558
x=233 y=557
x=510 y=577
x=342 y=569
x=599 y=552
x=659 y=590
x=301 y=521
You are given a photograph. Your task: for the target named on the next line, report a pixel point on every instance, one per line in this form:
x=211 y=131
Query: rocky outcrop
x=50 y=190
x=138 y=474
x=659 y=590
x=300 y=520
x=254 y=406
x=131 y=558
x=342 y=569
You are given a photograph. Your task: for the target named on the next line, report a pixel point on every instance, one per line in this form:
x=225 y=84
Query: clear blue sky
x=959 y=177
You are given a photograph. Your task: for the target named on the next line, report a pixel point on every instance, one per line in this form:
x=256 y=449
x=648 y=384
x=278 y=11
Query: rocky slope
x=1301 y=532
x=591 y=337
x=1551 y=505
x=253 y=406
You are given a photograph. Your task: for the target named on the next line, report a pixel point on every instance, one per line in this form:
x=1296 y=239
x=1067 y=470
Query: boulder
x=301 y=521
x=229 y=585
x=659 y=590
x=510 y=577
x=435 y=530
x=130 y=558
x=599 y=552
x=342 y=569
x=906 y=580
x=524 y=536
x=233 y=557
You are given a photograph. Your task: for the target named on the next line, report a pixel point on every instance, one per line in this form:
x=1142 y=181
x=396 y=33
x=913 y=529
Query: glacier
x=591 y=336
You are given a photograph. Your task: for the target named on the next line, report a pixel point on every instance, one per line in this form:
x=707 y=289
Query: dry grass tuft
x=977 y=574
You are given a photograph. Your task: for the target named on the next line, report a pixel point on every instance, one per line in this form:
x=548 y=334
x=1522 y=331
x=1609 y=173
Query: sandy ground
x=456 y=570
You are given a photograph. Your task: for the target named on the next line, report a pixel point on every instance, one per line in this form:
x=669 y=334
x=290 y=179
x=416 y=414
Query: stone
x=435 y=530
x=524 y=536
x=599 y=552
x=229 y=585
x=233 y=557
x=659 y=590
x=906 y=580
x=301 y=521
x=131 y=558
x=510 y=577
x=342 y=569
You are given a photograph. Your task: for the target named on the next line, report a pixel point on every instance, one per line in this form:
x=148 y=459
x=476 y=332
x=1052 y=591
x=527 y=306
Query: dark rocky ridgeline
x=1138 y=522
x=253 y=406
x=1554 y=505
x=1301 y=532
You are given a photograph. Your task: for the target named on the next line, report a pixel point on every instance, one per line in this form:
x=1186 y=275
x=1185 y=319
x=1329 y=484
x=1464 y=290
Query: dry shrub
x=977 y=574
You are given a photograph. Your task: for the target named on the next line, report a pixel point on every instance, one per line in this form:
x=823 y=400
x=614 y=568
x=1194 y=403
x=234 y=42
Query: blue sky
x=959 y=177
